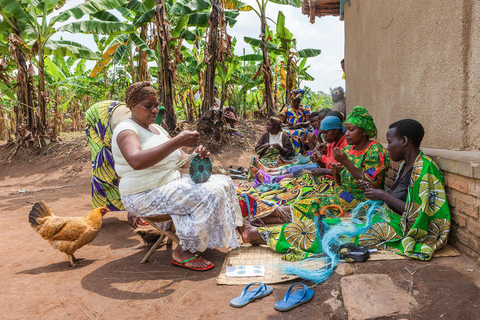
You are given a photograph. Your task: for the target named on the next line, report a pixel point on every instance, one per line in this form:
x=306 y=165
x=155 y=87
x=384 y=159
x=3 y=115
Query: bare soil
x=38 y=283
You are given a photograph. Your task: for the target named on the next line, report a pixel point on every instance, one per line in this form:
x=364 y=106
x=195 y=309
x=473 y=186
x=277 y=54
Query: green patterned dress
x=373 y=161
x=424 y=226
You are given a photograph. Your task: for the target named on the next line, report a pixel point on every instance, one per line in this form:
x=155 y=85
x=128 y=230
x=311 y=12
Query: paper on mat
x=245 y=271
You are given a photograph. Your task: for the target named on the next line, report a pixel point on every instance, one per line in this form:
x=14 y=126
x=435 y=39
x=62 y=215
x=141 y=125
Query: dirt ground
x=38 y=283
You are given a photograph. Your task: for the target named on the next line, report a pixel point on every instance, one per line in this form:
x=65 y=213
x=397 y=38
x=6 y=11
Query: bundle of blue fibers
x=333 y=237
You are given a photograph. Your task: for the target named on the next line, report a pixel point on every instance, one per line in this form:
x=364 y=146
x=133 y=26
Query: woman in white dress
x=205 y=215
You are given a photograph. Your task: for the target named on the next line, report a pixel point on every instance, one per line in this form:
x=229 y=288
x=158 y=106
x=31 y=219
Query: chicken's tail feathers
x=39 y=210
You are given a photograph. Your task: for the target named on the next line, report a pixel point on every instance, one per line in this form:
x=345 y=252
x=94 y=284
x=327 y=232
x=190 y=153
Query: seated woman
x=333 y=132
x=205 y=215
x=364 y=159
x=273 y=143
x=414 y=219
x=297 y=117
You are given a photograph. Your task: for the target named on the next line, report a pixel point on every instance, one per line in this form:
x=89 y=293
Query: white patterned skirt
x=205 y=215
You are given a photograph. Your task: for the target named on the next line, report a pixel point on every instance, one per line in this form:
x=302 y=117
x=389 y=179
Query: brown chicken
x=66 y=234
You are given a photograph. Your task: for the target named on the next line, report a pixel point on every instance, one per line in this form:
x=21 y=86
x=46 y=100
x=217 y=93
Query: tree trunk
x=211 y=58
x=165 y=79
x=42 y=93
x=143 y=74
x=267 y=71
x=288 y=83
x=24 y=111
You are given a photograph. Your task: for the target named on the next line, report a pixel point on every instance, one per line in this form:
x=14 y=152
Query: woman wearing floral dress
x=297 y=117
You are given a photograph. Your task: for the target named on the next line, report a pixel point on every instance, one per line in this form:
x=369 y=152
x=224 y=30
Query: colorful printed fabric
x=424 y=226
x=99 y=135
x=295 y=116
x=360 y=118
x=373 y=161
x=422 y=229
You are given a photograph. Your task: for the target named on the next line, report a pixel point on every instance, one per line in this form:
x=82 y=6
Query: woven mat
x=272 y=261
x=446 y=251
x=260 y=256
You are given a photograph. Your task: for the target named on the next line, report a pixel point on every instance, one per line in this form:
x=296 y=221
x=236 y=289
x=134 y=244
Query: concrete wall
x=417 y=59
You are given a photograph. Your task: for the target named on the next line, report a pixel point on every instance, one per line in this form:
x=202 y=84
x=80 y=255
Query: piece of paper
x=245 y=271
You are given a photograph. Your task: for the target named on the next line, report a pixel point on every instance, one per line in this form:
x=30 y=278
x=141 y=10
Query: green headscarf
x=360 y=118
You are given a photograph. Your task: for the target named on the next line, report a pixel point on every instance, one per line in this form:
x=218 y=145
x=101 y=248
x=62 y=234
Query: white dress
x=205 y=215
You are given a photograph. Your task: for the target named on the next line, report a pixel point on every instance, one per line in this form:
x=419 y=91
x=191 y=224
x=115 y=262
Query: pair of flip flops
x=289 y=302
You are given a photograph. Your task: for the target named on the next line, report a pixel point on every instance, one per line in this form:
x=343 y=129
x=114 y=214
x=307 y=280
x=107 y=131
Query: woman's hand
x=188 y=138
x=320 y=172
x=375 y=194
x=339 y=155
x=371 y=192
x=315 y=157
x=336 y=168
x=202 y=151
x=322 y=147
x=276 y=146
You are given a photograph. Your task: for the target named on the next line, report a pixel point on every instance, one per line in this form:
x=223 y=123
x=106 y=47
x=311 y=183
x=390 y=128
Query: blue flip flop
x=248 y=296
x=294 y=299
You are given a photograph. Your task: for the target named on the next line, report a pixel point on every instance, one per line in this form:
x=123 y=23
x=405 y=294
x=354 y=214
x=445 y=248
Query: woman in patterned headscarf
x=205 y=215
x=297 y=117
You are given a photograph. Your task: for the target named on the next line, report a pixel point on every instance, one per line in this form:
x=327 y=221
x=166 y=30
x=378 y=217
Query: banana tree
x=287 y=48
x=266 y=67
x=37 y=21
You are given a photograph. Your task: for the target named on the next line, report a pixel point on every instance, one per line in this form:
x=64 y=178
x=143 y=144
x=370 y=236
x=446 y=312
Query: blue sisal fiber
x=332 y=237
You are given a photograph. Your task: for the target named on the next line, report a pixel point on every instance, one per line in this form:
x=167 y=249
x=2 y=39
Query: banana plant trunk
x=42 y=93
x=267 y=71
x=142 y=58
x=288 y=82
x=165 y=74
x=24 y=110
x=211 y=57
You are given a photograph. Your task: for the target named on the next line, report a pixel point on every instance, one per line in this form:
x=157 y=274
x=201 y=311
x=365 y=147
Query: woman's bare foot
x=261 y=166
x=260 y=177
x=179 y=255
x=250 y=234
x=253 y=170
x=281 y=161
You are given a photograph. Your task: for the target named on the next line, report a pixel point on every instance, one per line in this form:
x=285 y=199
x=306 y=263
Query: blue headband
x=330 y=123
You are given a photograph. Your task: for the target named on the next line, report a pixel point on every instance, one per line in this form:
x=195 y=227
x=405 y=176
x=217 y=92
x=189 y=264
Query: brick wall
x=463 y=194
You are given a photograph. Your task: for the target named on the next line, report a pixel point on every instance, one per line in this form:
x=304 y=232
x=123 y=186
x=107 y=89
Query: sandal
x=248 y=296
x=196 y=258
x=295 y=298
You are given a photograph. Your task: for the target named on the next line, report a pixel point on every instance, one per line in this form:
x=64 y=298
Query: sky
x=327 y=34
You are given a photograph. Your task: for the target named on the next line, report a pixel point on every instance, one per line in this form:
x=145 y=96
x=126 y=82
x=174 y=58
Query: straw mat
x=264 y=256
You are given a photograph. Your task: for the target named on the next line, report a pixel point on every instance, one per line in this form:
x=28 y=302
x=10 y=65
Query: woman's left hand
x=202 y=151
x=339 y=155
x=374 y=194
